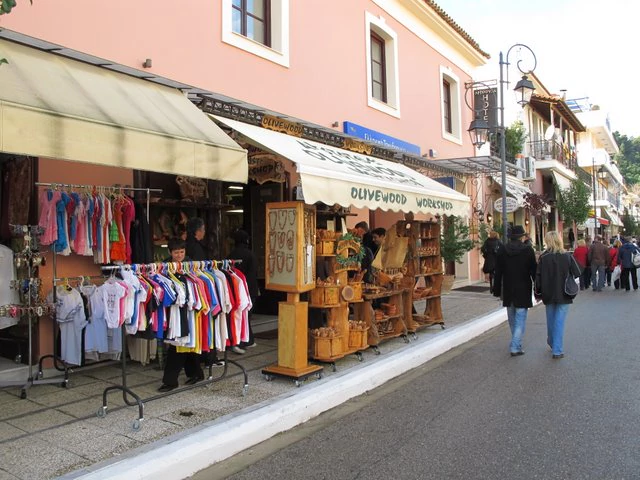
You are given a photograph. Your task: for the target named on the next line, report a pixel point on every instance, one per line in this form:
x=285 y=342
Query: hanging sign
x=265 y=167
x=512 y=205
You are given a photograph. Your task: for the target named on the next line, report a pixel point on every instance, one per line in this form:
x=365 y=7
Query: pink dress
x=48 y=219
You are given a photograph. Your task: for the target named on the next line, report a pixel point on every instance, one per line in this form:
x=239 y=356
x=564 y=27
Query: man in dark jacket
x=625 y=259
x=599 y=261
x=514 y=275
x=195 y=233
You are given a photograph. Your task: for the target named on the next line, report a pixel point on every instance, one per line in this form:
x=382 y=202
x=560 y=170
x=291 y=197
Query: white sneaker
x=254 y=344
x=238 y=350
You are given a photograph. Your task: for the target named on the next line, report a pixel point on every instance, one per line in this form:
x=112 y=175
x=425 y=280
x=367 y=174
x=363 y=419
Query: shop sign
x=356 y=146
x=512 y=205
x=265 y=167
x=378 y=138
x=283 y=126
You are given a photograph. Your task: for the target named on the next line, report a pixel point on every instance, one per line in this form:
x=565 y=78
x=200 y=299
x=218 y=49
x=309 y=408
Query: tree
x=629 y=157
x=631 y=227
x=455 y=239
x=573 y=203
x=536 y=205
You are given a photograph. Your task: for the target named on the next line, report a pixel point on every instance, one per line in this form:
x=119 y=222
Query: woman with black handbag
x=555 y=285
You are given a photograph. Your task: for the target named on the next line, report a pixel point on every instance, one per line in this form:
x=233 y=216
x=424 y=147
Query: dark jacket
x=489 y=252
x=551 y=275
x=598 y=254
x=194 y=249
x=625 y=253
x=515 y=273
x=248 y=266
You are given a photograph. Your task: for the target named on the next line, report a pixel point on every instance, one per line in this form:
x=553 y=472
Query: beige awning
x=56 y=107
x=336 y=176
x=515 y=189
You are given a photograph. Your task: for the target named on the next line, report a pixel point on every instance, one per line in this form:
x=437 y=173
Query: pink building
x=391 y=72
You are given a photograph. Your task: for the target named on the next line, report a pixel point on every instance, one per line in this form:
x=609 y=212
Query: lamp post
x=524 y=89
x=478 y=130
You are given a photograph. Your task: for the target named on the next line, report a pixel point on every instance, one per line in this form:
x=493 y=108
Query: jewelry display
x=282 y=219
x=289 y=262
x=290 y=240
x=272 y=264
x=273 y=238
x=273 y=220
x=292 y=217
x=282 y=237
x=280 y=261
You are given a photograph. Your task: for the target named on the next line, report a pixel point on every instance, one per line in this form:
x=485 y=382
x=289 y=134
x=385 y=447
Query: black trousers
x=175 y=362
x=624 y=278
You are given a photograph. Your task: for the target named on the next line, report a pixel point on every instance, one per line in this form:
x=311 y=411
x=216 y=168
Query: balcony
x=552 y=150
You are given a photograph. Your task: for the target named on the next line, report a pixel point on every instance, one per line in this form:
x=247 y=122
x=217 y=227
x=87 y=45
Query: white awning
x=516 y=190
x=335 y=176
x=52 y=106
x=561 y=181
x=615 y=219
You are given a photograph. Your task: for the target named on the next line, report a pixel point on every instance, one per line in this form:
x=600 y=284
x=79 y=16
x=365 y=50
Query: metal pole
x=595 y=216
x=503 y=155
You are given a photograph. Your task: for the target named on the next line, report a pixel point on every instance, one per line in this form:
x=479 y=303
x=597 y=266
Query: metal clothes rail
x=126 y=391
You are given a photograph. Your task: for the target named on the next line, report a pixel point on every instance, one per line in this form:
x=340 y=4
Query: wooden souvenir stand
x=334 y=294
x=290 y=267
x=425 y=266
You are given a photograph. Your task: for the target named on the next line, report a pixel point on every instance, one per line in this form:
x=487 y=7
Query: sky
x=588 y=47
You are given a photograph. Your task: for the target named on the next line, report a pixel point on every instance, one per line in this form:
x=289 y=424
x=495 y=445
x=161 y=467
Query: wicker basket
x=192 y=188
x=327 y=347
x=358 y=338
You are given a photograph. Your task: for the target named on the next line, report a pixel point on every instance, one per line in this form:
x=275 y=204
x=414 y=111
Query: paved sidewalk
x=55 y=431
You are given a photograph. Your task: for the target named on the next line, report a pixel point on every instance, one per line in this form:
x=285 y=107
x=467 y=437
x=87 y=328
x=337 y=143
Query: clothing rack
x=126 y=391
x=100 y=188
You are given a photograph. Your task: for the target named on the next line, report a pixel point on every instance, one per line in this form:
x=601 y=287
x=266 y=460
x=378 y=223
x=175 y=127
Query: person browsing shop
x=195 y=234
x=175 y=361
x=378 y=235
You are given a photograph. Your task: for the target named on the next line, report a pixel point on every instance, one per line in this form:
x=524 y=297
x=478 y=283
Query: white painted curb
x=201 y=447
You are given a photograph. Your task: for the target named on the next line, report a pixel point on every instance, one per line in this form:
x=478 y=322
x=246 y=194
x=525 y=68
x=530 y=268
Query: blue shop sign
x=379 y=138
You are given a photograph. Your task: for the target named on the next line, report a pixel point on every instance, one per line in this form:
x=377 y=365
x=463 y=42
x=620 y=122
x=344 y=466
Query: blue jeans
x=517 y=318
x=556 y=315
x=597 y=270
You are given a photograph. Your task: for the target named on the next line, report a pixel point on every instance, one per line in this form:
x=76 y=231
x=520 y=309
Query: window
x=383 y=86
x=259 y=27
x=378 y=67
x=450 y=104
x=446 y=106
x=251 y=19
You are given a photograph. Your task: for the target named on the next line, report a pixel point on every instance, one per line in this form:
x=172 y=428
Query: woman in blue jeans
x=553 y=267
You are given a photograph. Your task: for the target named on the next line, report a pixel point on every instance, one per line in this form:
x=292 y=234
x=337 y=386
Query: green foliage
x=629 y=157
x=631 y=227
x=455 y=239
x=351 y=260
x=6 y=6
x=573 y=202
x=514 y=138
x=483 y=232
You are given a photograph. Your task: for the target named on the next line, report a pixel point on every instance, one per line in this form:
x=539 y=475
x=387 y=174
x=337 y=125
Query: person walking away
x=581 y=254
x=553 y=268
x=572 y=238
x=613 y=262
x=249 y=267
x=514 y=275
x=175 y=360
x=489 y=251
x=599 y=261
x=625 y=259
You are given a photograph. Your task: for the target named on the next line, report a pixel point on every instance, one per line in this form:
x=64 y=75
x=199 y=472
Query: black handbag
x=571 y=288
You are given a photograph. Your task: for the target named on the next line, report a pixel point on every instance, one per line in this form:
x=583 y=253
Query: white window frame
x=456 y=113
x=279 y=50
x=379 y=26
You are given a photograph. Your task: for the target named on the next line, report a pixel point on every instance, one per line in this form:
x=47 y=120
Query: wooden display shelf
x=417 y=275
x=428 y=256
x=335 y=305
x=384 y=294
x=325 y=254
x=428 y=238
x=424 y=320
x=388 y=318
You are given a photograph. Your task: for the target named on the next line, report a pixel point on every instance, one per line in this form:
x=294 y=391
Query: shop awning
x=561 y=181
x=52 y=106
x=514 y=189
x=615 y=219
x=601 y=221
x=335 y=176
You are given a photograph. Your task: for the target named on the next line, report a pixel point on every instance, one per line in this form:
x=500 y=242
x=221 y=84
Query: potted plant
x=455 y=242
x=514 y=138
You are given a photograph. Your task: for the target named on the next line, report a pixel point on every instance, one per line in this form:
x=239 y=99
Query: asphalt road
x=477 y=413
